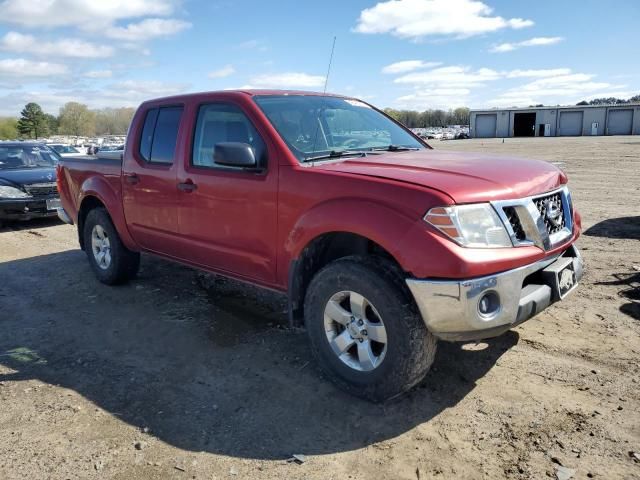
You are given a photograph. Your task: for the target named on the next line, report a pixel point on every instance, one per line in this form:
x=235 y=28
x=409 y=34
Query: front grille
x=42 y=189
x=547 y=204
x=512 y=216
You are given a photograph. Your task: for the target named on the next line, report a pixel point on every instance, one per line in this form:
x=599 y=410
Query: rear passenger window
x=223 y=122
x=160 y=135
x=147 y=134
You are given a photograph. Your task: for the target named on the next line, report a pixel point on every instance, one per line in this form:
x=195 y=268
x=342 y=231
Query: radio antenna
x=326 y=82
x=326 y=79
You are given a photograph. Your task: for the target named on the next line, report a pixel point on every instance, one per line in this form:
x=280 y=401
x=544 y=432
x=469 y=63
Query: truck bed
x=116 y=159
x=80 y=174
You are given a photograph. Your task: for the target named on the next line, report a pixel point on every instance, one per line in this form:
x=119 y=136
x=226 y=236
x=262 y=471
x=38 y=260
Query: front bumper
x=451 y=310
x=25 y=209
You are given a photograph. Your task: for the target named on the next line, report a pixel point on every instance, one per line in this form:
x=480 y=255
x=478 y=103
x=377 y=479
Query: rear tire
x=379 y=347
x=111 y=261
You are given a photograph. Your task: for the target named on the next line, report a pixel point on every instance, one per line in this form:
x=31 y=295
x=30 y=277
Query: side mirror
x=234 y=154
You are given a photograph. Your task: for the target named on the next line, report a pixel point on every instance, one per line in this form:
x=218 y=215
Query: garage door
x=486 y=125
x=570 y=124
x=620 y=122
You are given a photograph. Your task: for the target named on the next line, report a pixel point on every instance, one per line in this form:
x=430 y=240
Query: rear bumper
x=25 y=209
x=451 y=308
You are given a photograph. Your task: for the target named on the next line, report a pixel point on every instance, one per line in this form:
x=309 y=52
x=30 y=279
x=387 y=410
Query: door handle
x=187 y=186
x=131 y=178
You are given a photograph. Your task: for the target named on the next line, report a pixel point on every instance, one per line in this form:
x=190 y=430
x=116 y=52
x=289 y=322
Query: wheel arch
x=92 y=200
x=89 y=202
x=319 y=252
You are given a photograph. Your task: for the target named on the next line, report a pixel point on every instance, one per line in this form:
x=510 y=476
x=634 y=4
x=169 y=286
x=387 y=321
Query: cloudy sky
x=415 y=54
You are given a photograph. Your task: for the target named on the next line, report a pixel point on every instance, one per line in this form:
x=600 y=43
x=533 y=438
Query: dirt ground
x=181 y=375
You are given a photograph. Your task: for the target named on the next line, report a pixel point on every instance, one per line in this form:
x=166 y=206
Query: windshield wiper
x=336 y=154
x=393 y=148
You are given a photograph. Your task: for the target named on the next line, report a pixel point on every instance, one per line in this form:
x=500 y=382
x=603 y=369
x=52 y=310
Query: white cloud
x=286 y=80
x=552 y=72
x=120 y=94
x=19 y=67
x=144 y=89
x=435 y=98
x=450 y=77
x=136 y=47
x=563 y=88
x=532 y=42
x=64 y=47
x=408 y=66
x=222 y=72
x=148 y=29
x=82 y=13
x=254 y=44
x=451 y=86
x=98 y=74
x=415 y=19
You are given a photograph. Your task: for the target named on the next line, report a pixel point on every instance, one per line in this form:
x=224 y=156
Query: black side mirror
x=234 y=154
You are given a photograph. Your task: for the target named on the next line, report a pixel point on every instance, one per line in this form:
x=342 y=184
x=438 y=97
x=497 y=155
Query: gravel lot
x=182 y=375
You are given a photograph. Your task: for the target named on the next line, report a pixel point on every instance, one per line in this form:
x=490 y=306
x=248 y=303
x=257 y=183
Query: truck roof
x=249 y=92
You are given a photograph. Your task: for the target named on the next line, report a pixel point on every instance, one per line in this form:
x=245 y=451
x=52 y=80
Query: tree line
x=610 y=101
x=430 y=118
x=74 y=119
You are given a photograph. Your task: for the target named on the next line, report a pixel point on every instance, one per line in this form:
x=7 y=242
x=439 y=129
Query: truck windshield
x=23 y=156
x=315 y=126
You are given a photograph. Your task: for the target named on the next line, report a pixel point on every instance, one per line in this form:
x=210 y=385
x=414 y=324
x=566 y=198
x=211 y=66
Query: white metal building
x=556 y=121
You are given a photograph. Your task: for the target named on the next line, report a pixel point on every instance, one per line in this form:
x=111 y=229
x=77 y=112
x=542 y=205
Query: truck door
x=149 y=181
x=228 y=214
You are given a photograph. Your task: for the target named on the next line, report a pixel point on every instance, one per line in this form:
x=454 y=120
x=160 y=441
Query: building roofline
x=557 y=107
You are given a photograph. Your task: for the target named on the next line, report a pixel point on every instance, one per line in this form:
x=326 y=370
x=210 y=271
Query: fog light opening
x=489 y=304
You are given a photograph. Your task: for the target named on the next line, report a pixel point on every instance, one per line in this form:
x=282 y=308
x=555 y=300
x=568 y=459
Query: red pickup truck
x=382 y=244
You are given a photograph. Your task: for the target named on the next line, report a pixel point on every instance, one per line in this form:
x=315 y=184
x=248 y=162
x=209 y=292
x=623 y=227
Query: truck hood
x=26 y=176
x=465 y=177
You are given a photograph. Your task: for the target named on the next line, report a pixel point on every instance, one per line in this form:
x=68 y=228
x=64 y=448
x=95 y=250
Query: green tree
x=8 y=128
x=76 y=119
x=33 y=122
x=52 y=123
x=113 y=121
x=460 y=116
x=395 y=114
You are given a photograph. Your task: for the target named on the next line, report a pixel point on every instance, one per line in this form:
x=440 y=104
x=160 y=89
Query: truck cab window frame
x=159 y=135
x=218 y=122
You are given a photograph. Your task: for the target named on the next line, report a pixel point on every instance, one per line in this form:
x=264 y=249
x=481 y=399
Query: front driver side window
x=223 y=122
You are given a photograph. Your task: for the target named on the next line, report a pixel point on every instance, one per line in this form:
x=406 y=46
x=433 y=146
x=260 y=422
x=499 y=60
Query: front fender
x=102 y=189
x=378 y=222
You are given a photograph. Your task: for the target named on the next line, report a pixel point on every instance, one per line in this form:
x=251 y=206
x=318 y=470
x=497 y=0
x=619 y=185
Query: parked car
x=110 y=152
x=27 y=181
x=382 y=244
x=66 y=150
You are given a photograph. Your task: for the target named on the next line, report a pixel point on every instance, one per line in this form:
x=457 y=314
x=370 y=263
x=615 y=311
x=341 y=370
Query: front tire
x=111 y=261
x=365 y=330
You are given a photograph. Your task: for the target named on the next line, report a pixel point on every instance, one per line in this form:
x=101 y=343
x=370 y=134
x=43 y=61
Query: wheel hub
x=355 y=331
x=101 y=247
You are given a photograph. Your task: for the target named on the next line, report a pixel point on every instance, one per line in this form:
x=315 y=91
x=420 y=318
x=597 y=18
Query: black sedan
x=27 y=181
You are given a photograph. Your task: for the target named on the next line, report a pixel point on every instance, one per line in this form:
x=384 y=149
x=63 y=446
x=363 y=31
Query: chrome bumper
x=451 y=311
x=64 y=216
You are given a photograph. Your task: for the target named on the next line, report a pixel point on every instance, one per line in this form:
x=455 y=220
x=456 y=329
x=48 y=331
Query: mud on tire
x=410 y=347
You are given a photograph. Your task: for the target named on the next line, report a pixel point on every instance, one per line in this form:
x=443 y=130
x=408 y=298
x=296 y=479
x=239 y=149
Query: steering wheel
x=353 y=142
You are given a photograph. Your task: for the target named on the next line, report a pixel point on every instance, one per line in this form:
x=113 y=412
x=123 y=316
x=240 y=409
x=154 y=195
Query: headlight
x=476 y=226
x=12 y=192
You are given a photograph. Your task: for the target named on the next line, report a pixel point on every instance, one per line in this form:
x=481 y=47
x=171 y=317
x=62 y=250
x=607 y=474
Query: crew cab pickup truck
x=382 y=244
